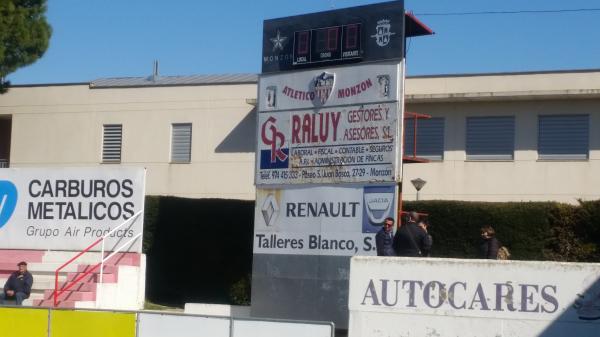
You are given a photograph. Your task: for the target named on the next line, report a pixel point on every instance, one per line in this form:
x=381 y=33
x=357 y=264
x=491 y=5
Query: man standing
x=18 y=285
x=384 y=239
x=410 y=239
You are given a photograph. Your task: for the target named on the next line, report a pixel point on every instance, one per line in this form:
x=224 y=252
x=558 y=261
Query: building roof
x=163 y=81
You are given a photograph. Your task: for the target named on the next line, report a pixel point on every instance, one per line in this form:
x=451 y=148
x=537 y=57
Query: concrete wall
x=524 y=178
x=62 y=126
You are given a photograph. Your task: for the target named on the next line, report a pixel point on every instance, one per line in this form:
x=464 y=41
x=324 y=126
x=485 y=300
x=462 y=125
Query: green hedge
x=531 y=230
x=200 y=250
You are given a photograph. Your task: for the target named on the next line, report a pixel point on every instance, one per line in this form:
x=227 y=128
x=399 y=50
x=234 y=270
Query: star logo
x=278 y=41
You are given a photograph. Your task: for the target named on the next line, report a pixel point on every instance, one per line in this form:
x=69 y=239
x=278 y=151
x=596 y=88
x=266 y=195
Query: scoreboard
x=351 y=35
x=327 y=44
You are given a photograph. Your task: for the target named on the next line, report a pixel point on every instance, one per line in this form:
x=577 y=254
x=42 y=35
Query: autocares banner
x=70 y=208
x=321 y=220
x=333 y=145
x=483 y=298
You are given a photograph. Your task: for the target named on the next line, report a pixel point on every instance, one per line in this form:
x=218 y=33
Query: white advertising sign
x=321 y=220
x=468 y=298
x=328 y=87
x=333 y=145
x=70 y=208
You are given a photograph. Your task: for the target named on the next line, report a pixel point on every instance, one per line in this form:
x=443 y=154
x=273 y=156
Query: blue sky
x=116 y=38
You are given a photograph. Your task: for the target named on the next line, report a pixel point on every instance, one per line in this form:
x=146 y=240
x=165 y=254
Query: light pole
x=418 y=184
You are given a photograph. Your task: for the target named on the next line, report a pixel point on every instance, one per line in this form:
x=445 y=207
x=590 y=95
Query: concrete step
x=71 y=295
x=88 y=286
x=39 y=267
x=110 y=269
x=50 y=304
x=41 y=281
x=92 y=277
x=132 y=259
x=14 y=256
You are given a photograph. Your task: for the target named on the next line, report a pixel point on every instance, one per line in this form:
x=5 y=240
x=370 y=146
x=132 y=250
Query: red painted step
x=50 y=304
x=87 y=286
x=15 y=256
x=71 y=295
x=108 y=269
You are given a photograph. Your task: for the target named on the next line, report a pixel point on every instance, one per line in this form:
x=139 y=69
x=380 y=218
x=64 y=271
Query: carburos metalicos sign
x=342 y=144
x=330 y=87
x=324 y=220
x=69 y=208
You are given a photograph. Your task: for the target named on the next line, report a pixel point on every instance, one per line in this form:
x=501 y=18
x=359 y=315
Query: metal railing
x=67 y=285
x=3 y=163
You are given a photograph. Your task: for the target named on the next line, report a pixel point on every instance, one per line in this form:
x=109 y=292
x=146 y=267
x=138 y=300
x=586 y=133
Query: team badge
x=383 y=33
x=323 y=86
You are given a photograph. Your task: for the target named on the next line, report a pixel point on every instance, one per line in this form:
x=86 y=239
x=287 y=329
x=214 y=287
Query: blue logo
x=8 y=201
x=379 y=203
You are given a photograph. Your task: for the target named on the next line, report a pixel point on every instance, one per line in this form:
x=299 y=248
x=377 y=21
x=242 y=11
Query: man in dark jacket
x=18 y=285
x=410 y=239
x=490 y=245
x=384 y=239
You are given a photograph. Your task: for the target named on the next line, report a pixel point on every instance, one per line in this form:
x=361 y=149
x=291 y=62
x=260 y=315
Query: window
x=490 y=138
x=563 y=137
x=181 y=143
x=430 y=138
x=111 y=143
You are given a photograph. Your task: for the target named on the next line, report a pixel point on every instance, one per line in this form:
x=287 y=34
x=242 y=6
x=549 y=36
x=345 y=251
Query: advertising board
x=321 y=220
x=343 y=144
x=318 y=88
x=70 y=208
x=484 y=298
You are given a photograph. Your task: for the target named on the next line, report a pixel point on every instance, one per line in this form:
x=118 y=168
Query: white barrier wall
x=277 y=329
x=159 y=325
x=163 y=325
x=483 y=298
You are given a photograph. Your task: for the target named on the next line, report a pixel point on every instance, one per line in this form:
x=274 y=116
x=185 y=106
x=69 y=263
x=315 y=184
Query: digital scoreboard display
x=350 y=35
x=327 y=44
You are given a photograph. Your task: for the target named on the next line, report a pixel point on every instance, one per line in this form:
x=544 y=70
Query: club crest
x=323 y=85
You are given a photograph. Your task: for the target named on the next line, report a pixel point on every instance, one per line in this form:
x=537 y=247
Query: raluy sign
x=331 y=145
x=321 y=220
x=69 y=208
x=319 y=88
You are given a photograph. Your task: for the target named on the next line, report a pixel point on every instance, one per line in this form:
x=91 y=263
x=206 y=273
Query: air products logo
x=8 y=201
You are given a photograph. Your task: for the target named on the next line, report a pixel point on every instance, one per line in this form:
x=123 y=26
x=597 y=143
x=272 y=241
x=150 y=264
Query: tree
x=24 y=35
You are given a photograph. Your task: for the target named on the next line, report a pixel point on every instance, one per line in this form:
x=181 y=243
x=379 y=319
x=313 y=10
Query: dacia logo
x=8 y=201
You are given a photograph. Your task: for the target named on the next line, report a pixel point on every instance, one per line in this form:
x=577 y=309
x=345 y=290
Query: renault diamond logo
x=269 y=209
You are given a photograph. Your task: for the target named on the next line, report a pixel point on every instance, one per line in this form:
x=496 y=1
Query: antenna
x=155 y=75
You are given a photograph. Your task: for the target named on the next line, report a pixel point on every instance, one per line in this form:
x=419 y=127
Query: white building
x=492 y=137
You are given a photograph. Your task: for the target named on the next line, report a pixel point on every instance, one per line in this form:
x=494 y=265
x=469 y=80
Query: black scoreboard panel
x=349 y=35
x=327 y=44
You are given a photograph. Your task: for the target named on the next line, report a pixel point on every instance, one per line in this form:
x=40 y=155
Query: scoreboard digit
x=326 y=44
